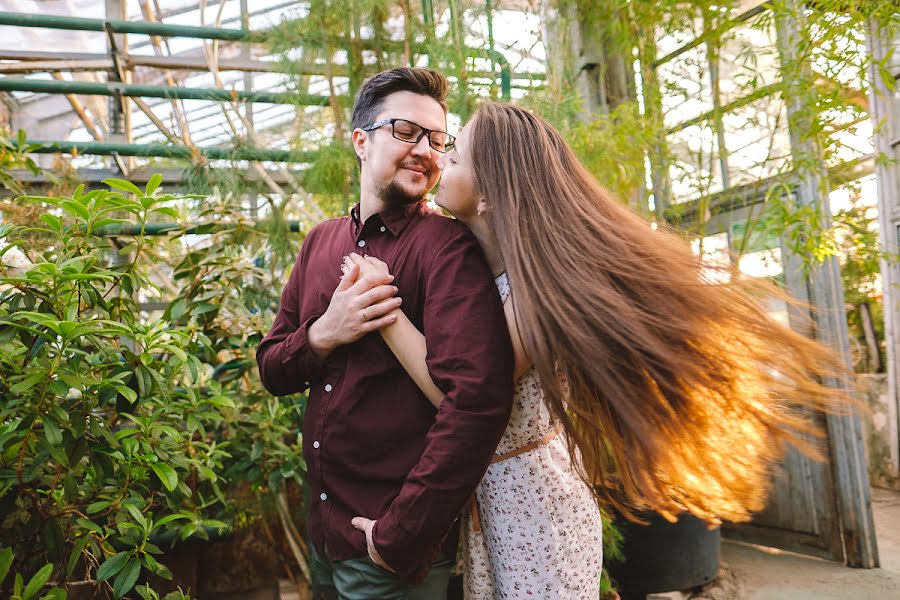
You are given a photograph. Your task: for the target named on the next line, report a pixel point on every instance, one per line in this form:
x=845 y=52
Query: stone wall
x=880 y=426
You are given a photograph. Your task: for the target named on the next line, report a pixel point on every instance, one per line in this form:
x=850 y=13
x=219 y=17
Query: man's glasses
x=411 y=133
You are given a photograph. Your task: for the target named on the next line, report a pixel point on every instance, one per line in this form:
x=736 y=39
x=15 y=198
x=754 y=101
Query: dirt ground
x=753 y=573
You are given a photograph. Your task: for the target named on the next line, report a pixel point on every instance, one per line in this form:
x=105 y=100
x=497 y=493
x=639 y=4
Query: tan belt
x=473 y=504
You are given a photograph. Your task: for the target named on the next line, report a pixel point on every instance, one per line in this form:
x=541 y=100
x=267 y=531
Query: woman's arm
x=408 y=344
x=405 y=341
x=523 y=362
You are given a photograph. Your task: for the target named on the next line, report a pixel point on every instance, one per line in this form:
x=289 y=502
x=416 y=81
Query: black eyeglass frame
x=451 y=139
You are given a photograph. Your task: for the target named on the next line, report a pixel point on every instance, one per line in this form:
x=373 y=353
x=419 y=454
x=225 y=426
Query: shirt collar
x=394 y=218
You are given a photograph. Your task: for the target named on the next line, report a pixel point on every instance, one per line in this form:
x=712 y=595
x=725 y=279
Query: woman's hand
x=368 y=265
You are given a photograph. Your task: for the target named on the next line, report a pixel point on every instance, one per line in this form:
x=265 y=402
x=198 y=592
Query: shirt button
x=316 y=444
x=382 y=229
x=328 y=387
x=323 y=496
x=361 y=243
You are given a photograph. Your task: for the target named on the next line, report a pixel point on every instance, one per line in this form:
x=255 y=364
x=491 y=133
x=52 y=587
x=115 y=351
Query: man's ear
x=360 y=139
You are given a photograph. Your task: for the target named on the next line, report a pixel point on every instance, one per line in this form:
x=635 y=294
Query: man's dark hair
x=376 y=88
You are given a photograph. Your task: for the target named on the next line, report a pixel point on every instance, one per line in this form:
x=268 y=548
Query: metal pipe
x=214 y=33
x=118 y=26
x=166 y=228
x=17 y=84
x=168 y=151
x=505 y=73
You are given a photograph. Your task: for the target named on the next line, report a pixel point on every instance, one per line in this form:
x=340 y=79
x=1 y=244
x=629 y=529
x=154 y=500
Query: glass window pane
x=757 y=140
x=748 y=59
x=765 y=263
x=694 y=168
x=713 y=250
x=685 y=85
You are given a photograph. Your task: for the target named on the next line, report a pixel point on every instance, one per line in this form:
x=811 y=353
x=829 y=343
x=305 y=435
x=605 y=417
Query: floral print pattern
x=540 y=534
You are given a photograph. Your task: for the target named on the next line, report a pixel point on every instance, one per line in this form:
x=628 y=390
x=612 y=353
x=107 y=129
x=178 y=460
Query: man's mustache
x=416 y=165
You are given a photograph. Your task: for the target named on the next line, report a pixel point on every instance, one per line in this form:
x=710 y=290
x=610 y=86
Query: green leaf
x=166 y=475
x=168 y=519
x=113 y=565
x=129 y=393
x=178 y=352
x=29 y=382
x=52 y=432
x=177 y=309
x=205 y=307
x=99 y=223
x=76 y=209
x=224 y=401
x=37 y=582
x=6 y=558
x=55 y=594
x=76 y=554
x=154 y=183
x=53 y=221
x=121 y=184
x=89 y=525
x=127 y=578
x=137 y=515
x=167 y=210
x=98 y=506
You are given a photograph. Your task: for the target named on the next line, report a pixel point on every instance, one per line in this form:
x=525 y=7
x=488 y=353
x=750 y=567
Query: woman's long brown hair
x=678 y=392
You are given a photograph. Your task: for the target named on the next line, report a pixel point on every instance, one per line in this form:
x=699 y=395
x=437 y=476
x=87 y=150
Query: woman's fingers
x=349 y=278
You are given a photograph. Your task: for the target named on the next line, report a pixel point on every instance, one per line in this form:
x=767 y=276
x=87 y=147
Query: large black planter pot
x=665 y=557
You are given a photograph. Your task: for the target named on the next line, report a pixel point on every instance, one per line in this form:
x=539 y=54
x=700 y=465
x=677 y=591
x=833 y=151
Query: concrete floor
x=764 y=574
x=755 y=573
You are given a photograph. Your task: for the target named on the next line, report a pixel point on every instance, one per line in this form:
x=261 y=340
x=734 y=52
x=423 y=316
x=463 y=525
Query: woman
x=673 y=392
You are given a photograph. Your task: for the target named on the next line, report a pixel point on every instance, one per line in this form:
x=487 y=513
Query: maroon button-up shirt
x=374 y=445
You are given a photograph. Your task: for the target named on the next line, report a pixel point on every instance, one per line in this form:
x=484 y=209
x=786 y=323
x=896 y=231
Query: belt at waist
x=473 y=504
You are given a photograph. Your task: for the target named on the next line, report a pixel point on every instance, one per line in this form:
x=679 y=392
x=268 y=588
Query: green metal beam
x=212 y=33
x=52 y=86
x=143 y=27
x=167 y=228
x=168 y=151
x=505 y=73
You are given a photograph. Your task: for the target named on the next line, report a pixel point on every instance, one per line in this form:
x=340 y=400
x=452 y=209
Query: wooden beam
x=81 y=112
x=40 y=55
x=156 y=120
x=54 y=66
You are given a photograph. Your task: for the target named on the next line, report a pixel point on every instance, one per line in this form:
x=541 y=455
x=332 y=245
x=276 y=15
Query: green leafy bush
x=119 y=429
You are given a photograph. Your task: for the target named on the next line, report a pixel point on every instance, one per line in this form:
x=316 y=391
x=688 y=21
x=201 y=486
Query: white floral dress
x=540 y=533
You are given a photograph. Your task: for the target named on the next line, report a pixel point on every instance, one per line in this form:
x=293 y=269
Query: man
x=374 y=446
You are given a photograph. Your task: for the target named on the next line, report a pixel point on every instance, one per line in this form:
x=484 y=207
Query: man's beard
x=394 y=196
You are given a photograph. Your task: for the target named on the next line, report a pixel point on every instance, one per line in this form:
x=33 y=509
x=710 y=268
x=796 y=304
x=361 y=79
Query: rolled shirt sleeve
x=470 y=358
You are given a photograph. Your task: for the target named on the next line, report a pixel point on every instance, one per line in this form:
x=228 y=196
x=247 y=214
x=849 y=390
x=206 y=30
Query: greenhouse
x=168 y=169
